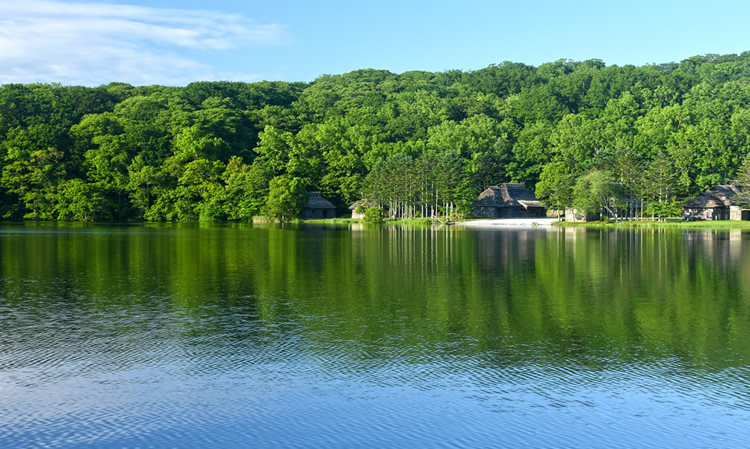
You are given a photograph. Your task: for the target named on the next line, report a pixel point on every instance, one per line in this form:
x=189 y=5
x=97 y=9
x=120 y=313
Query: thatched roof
x=727 y=192
x=718 y=196
x=704 y=200
x=507 y=195
x=318 y=202
x=363 y=203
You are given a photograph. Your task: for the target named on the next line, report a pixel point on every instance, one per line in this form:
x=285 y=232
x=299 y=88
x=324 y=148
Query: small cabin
x=508 y=200
x=716 y=204
x=318 y=207
x=365 y=204
x=576 y=216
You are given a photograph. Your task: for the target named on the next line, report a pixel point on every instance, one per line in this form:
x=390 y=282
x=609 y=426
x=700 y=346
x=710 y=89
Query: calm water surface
x=325 y=336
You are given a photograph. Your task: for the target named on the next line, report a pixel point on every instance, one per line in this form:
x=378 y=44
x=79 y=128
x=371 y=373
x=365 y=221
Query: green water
x=345 y=336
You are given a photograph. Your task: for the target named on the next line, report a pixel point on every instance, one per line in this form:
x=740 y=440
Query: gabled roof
x=318 y=202
x=726 y=192
x=718 y=196
x=363 y=203
x=507 y=195
x=704 y=200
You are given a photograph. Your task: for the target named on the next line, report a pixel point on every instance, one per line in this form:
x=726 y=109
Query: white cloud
x=96 y=43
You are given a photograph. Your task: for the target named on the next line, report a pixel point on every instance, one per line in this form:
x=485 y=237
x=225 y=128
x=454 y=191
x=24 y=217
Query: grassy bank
x=671 y=224
x=675 y=224
x=409 y=221
x=330 y=220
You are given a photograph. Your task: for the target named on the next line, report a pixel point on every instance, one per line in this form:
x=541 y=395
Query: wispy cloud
x=95 y=43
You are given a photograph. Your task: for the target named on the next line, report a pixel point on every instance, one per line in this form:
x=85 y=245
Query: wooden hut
x=318 y=207
x=576 y=216
x=354 y=207
x=365 y=204
x=716 y=204
x=509 y=200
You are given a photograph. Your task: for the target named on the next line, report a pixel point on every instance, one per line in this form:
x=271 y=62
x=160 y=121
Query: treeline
x=418 y=142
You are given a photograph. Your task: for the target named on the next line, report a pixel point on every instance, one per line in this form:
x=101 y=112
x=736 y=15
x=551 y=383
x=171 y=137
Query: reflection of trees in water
x=570 y=293
x=498 y=250
x=721 y=247
x=624 y=291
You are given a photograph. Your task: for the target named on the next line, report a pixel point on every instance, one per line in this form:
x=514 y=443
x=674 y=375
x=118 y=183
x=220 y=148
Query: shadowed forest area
x=232 y=150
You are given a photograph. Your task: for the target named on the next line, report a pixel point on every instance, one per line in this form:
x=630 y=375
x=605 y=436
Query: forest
x=417 y=142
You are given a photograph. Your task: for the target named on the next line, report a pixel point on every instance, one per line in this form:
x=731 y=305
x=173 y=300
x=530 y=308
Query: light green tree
x=286 y=196
x=743 y=176
x=81 y=201
x=246 y=189
x=555 y=186
x=660 y=187
x=34 y=177
x=594 y=192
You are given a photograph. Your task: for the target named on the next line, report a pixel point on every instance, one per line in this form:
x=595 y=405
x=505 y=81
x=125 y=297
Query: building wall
x=508 y=212
x=573 y=216
x=485 y=212
x=310 y=212
x=737 y=214
x=538 y=212
x=707 y=213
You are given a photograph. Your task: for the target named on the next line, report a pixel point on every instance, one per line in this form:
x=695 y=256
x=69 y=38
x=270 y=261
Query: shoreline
x=472 y=223
x=512 y=222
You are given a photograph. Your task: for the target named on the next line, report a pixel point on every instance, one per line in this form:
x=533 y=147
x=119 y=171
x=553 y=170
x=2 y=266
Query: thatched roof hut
x=714 y=204
x=508 y=200
x=318 y=207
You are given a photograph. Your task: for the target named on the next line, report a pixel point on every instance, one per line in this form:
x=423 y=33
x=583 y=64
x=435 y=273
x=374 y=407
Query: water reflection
x=630 y=288
x=143 y=333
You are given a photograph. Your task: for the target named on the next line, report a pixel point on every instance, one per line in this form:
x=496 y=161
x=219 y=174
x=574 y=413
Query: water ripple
x=151 y=375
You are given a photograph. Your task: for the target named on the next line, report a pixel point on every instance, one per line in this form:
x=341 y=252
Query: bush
x=664 y=209
x=374 y=215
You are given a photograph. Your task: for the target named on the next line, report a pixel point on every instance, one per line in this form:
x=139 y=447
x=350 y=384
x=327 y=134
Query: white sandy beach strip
x=511 y=222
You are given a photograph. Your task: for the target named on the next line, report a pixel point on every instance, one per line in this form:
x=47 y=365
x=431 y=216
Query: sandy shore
x=511 y=222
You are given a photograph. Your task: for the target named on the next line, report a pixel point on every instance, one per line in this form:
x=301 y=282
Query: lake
x=229 y=335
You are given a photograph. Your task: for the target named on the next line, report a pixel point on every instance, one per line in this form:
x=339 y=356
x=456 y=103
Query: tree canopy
x=418 y=142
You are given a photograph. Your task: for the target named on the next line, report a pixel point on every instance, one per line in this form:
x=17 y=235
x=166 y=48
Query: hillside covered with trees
x=418 y=142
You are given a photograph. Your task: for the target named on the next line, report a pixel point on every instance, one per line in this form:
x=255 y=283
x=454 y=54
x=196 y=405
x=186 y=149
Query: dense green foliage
x=420 y=143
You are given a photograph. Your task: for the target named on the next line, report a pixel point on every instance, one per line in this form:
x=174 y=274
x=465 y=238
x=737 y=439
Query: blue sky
x=176 y=42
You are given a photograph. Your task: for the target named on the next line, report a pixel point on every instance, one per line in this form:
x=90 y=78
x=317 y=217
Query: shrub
x=374 y=215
